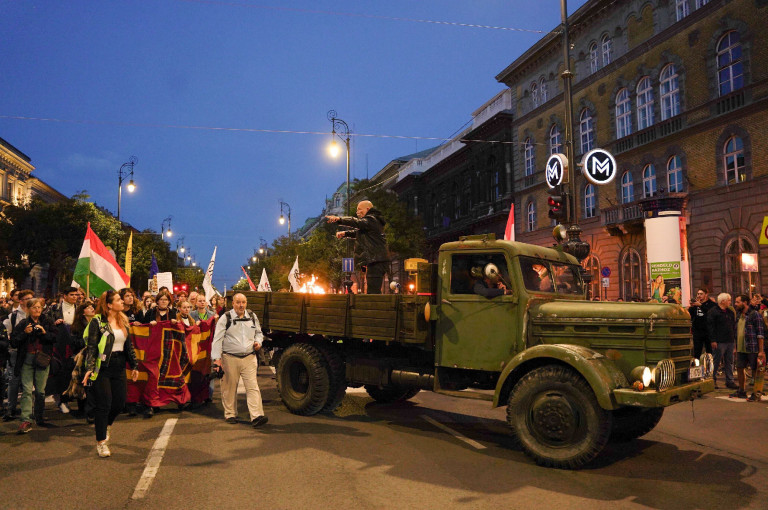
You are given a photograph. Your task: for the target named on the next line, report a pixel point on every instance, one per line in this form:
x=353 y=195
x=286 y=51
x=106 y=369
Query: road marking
x=729 y=399
x=154 y=458
x=457 y=435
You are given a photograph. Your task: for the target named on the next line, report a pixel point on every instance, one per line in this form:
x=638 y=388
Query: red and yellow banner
x=173 y=362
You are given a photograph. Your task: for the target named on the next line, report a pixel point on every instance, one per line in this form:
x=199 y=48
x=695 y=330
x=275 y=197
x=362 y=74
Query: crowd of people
x=77 y=350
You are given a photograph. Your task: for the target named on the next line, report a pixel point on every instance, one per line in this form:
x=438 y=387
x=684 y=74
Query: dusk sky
x=189 y=87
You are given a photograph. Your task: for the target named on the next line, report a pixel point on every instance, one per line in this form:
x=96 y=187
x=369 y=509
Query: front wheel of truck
x=632 y=422
x=302 y=379
x=556 y=418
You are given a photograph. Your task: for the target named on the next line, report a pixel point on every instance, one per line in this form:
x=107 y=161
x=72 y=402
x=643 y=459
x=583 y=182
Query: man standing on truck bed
x=370 y=244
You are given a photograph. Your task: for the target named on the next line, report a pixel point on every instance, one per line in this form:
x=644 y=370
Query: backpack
x=229 y=319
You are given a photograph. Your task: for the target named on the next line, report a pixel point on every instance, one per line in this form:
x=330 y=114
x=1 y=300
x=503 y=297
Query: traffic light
x=558 y=204
x=180 y=287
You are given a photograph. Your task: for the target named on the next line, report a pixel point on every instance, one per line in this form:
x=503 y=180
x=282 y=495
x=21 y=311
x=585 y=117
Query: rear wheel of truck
x=632 y=422
x=556 y=418
x=302 y=379
x=389 y=394
x=337 y=378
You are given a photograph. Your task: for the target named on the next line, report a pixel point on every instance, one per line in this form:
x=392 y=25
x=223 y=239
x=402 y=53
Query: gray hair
x=723 y=297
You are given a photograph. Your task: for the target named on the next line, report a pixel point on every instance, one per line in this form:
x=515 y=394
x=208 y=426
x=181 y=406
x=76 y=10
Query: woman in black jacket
x=108 y=349
x=34 y=338
x=161 y=312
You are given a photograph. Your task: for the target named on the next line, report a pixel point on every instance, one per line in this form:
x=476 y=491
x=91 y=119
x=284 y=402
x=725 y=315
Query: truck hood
x=621 y=312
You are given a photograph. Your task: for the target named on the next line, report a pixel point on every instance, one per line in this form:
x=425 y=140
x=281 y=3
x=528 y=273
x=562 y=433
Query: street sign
x=348 y=265
x=556 y=170
x=605 y=272
x=606 y=282
x=599 y=167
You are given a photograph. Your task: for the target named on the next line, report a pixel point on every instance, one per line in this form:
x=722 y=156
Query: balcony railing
x=648 y=134
x=623 y=213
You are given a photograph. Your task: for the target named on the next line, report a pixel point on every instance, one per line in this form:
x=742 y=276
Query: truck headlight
x=664 y=374
x=642 y=374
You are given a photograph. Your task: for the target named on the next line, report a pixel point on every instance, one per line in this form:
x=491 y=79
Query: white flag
x=264 y=282
x=294 y=276
x=207 y=281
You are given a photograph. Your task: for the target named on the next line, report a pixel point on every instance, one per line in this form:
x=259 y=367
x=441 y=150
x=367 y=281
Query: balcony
x=622 y=219
x=648 y=135
x=730 y=102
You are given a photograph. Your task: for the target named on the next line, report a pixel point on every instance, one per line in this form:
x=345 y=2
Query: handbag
x=42 y=360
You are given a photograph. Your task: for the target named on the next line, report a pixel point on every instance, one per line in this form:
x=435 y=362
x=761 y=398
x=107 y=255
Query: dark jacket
x=20 y=339
x=95 y=330
x=370 y=243
x=151 y=315
x=721 y=325
x=699 y=319
x=4 y=345
x=482 y=289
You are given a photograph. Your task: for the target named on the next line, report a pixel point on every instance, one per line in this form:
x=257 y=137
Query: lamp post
x=343 y=134
x=126 y=170
x=180 y=250
x=263 y=250
x=284 y=205
x=163 y=232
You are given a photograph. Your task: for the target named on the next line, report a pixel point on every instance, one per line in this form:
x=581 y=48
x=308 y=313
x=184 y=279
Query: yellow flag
x=764 y=231
x=129 y=256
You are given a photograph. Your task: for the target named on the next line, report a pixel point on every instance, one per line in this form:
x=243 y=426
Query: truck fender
x=601 y=373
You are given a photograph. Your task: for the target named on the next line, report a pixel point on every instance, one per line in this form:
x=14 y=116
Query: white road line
x=457 y=435
x=729 y=399
x=154 y=458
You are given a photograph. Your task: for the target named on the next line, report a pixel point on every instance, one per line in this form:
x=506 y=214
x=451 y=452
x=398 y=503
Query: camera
x=216 y=372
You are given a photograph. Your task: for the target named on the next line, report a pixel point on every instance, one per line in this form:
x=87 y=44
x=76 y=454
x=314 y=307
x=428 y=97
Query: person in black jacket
x=699 y=308
x=105 y=365
x=161 y=312
x=721 y=323
x=33 y=335
x=370 y=243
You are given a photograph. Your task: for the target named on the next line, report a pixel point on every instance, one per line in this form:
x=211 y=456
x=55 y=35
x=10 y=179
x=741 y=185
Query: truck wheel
x=337 y=378
x=632 y=422
x=389 y=394
x=302 y=379
x=557 y=419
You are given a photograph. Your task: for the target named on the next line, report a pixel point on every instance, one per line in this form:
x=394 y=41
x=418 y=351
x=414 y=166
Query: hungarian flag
x=97 y=270
x=509 y=232
x=250 y=282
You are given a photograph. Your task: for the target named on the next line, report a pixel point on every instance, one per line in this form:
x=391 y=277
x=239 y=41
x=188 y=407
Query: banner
x=248 y=277
x=264 y=282
x=173 y=362
x=129 y=256
x=294 y=276
x=208 y=280
x=509 y=232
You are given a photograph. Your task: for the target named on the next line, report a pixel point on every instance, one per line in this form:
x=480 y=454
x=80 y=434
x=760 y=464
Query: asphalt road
x=432 y=452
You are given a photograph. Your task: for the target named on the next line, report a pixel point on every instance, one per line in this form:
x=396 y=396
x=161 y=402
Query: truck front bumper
x=653 y=398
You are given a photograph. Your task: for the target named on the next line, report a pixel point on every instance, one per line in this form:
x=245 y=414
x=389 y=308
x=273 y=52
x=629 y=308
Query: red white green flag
x=96 y=269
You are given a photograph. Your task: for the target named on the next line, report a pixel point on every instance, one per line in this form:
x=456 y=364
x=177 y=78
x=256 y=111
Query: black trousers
x=701 y=344
x=374 y=276
x=108 y=393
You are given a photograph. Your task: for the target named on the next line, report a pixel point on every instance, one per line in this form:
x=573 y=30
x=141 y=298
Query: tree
x=193 y=276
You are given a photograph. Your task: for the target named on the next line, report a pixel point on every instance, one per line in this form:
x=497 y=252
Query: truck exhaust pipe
x=409 y=379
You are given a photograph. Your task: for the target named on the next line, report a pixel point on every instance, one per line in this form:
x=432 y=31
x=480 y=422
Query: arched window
x=623 y=114
x=674 y=175
x=736 y=280
x=733 y=160
x=587 y=129
x=592 y=265
x=607 y=47
x=730 y=72
x=535 y=94
x=670 y=92
x=555 y=140
x=590 y=202
x=530 y=157
x=594 y=57
x=627 y=188
x=530 y=217
x=543 y=91
x=631 y=276
x=649 y=181
x=644 y=103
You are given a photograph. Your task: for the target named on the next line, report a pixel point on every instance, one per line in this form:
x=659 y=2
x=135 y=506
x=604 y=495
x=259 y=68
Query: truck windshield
x=541 y=275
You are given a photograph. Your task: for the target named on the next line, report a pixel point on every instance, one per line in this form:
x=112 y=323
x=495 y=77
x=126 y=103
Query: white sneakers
x=102 y=449
x=109 y=429
x=63 y=408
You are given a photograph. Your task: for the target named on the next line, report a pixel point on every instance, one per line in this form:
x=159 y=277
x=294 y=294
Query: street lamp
x=166 y=232
x=284 y=205
x=333 y=148
x=262 y=244
x=126 y=170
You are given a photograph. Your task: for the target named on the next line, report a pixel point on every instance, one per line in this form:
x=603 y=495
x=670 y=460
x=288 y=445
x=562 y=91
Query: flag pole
x=88 y=286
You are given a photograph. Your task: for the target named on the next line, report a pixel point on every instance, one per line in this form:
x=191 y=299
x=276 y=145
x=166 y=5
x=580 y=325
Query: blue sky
x=155 y=78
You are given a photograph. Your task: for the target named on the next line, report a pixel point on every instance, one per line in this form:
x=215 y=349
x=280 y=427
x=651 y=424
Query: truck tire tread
x=630 y=423
x=302 y=379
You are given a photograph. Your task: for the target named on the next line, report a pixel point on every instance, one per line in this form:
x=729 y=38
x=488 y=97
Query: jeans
x=13 y=382
x=108 y=393
x=724 y=352
x=33 y=381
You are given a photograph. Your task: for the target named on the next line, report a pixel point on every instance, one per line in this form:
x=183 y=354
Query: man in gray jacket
x=236 y=340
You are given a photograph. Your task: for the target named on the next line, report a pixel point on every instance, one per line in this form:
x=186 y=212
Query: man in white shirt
x=236 y=340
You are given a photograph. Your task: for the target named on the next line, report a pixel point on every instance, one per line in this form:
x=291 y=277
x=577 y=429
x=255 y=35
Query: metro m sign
x=599 y=167
x=556 y=170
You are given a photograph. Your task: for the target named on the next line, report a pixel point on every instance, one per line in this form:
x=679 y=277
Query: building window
x=700 y=3
x=623 y=114
x=736 y=280
x=535 y=94
x=592 y=265
x=644 y=103
x=456 y=201
x=670 y=92
x=495 y=185
x=543 y=91
x=733 y=161
x=627 y=188
x=590 y=209
x=555 y=140
x=674 y=175
x=630 y=276
x=530 y=218
x=594 y=57
x=729 y=66
x=682 y=9
x=649 y=181
x=467 y=194
x=530 y=157
x=607 y=47
x=587 y=130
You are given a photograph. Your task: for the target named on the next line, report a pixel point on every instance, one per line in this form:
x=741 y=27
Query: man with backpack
x=18 y=314
x=236 y=341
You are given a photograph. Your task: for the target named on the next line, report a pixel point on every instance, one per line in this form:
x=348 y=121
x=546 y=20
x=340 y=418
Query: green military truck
x=573 y=373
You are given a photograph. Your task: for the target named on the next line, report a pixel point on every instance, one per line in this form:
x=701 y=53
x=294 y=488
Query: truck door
x=474 y=331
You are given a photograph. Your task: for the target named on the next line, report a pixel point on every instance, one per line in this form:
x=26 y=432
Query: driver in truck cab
x=484 y=286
